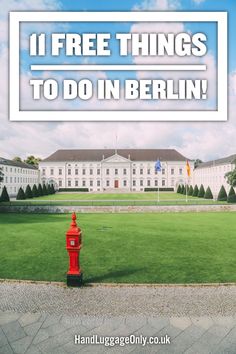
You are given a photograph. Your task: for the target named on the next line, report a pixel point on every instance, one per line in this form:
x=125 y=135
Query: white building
x=114 y=170
x=16 y=175
x=212 y=173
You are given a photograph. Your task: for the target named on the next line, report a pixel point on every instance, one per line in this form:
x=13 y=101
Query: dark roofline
x=229 y=159
x=98 y=155
x=19 y=164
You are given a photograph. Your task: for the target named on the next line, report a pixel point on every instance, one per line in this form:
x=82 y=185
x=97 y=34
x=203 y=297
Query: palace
x=114 y=170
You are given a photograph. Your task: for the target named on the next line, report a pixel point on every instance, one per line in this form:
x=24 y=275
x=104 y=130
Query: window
x=148 y=183
x=51 y=171
x=116 y=171
x=60 y=183
x=84 y=183
x=141 y=171
x=83 y=171
x=124 y=183
x=91 y=183
x=43 y=172
x=148 y=171
x=91 y=171
x=156 y=183
x=163 y=171
x=98 y=171
x=69 y=183
x=134 y=171
x=98 y=183
x=76 y=183
x=180 y=171
x=107 y=183
x=141 y=183
x=163 y=183
x=107 y=171
x=76 y=171
x=69 y=171
x=60 y=171
x=172 y=171
x=124 y=171
x=134 y=183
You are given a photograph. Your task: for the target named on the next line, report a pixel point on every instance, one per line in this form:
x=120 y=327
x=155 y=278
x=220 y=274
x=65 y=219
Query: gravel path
x=113 y=301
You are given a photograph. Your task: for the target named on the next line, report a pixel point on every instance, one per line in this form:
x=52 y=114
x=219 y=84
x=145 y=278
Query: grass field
x=109 y=199
x=132 y=248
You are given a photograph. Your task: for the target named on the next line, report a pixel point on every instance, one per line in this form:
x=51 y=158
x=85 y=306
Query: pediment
x=116 y=158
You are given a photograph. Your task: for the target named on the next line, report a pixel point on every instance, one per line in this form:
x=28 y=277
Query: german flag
x=188 y=168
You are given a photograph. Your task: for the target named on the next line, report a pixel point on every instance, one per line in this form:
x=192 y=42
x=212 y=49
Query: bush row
x=35 y=192
x=201 y=193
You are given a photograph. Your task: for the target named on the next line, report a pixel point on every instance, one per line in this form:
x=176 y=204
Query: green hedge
x=73 y=190
x=161 y=189
x=208 y=194
x=4 y=196
x=195 y=191
x=222 y=196
x=231 y=196
x=201 y=192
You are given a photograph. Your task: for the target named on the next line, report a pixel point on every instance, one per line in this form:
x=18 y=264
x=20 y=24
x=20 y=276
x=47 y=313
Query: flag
x=158 y=166
x=188 y=169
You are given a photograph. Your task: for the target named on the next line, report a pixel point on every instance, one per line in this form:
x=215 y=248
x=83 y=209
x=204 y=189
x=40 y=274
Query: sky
x=195 y=140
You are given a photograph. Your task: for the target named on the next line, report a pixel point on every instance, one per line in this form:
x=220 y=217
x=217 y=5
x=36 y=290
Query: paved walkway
x=40 y=318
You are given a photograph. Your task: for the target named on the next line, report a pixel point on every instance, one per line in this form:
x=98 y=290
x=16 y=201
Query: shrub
x=161 y=189
x=195 y=191
x=49 y=189
x=20 y=194
x=45 y=191
x=190 y=191
x=4 y=195
x=73 y=189
x=231 y=196
x=28 y=192
x=53 y=189
x=208 y=194
x=222 y=196
x=40 y=190
x=179 y=189
x=184 y=190
x=201 y=192
x=35 y=192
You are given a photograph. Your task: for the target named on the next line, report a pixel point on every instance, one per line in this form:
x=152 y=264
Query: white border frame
x=15 y=114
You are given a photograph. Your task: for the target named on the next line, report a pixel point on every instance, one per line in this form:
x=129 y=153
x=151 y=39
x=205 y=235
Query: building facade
x=114 y=170
x=16 y=175
x=212 y=173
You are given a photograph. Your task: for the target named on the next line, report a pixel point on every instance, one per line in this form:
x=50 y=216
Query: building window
x=91 y=171
x=163 y=183
x=69 y=171
x=84 y=183
x=134 y=183
x=43 y=172
x=124 y=171
x=134 y=171
x=172 y=171
x=83 y=171
x=124 y=183
x=116 y=171
x=98 y=183
x=51 y=171
x=60 y=172
x=148 y=171
x=180 y=171
x=141 y=171
x=69 y=183
x=76 y=183
x=98 y=171
x=76 y=171
x=148 y=183
x=141 y=183
x=163 y=171
x=107 y=183
x=156 y=183
x=107 y=171
x=91 y=183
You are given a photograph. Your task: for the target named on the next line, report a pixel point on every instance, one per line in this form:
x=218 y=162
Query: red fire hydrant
x=73 y=246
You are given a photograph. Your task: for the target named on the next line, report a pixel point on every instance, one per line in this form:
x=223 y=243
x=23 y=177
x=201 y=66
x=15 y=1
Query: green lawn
x=132 y=248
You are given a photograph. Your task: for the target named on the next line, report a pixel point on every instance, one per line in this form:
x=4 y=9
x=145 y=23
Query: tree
x=4 y=195
x=20 y=194
x=190 y=191
x=35 y=192
x=45 y=192
x=201 y=192
x=222 y=196
x=32 y=160
x=28 y=192
x=197 y=162
x=231 y=196
x=179 y=189
x=17 y=159
x=195 y=191
x=231 y=178
x=53 y=189
x=182 y=189
x=208 y=194
x=49 y=189
x=40 y=190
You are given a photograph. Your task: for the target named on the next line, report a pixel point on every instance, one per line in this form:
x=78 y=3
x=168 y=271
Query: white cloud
x=198 y=1
x=161 y=5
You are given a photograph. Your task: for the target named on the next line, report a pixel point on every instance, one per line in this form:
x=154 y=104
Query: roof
x=226 y=160
x=7 y=162
x=100 y=154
